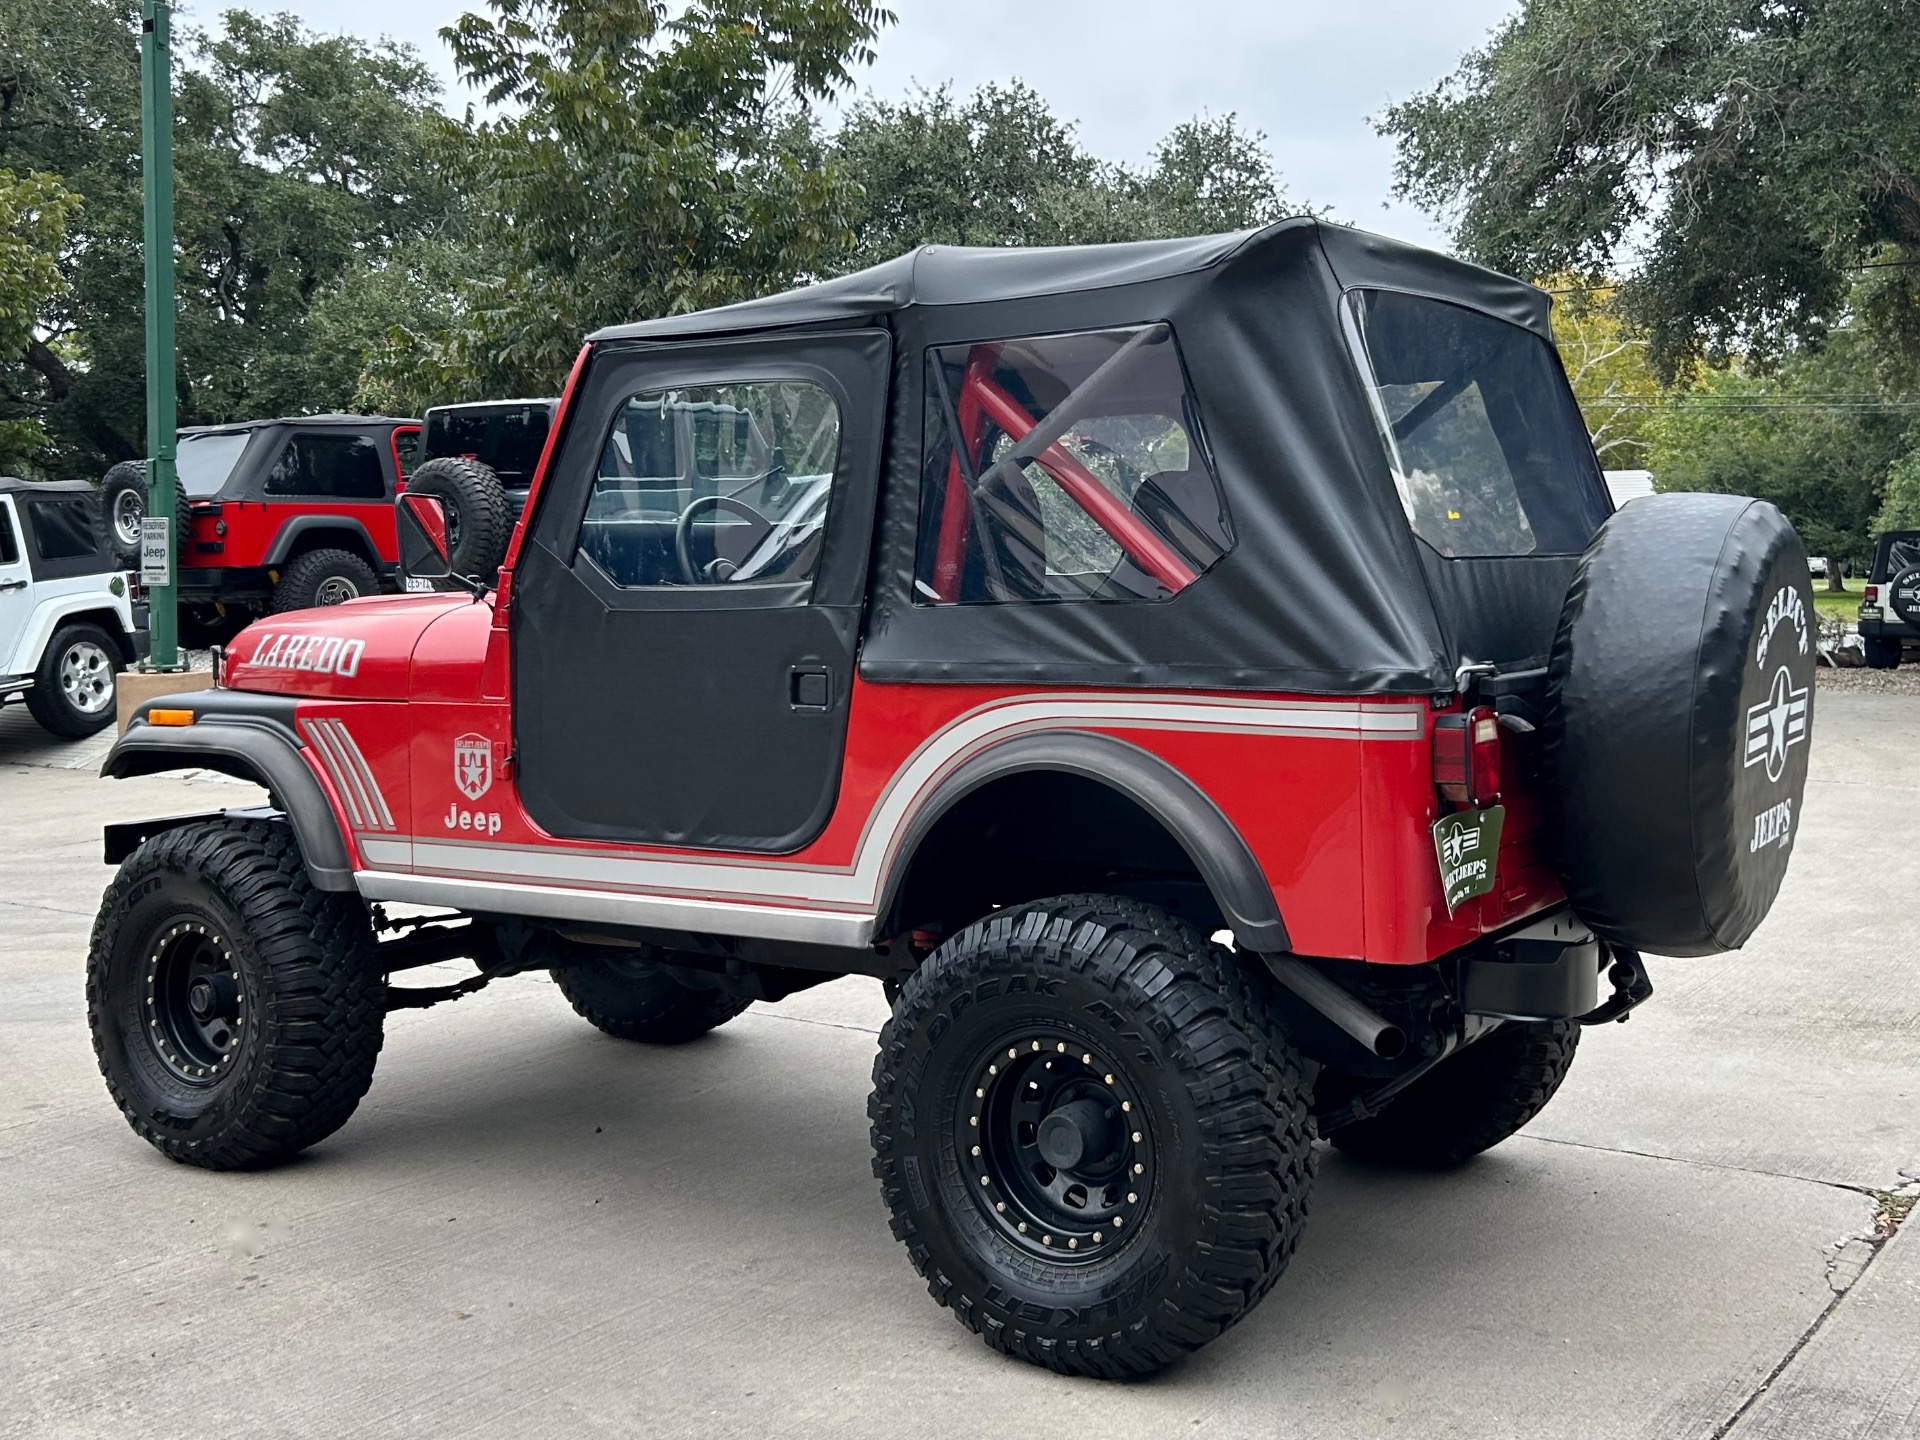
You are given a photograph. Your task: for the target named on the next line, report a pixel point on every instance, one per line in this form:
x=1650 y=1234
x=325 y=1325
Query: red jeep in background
x=1202 y=680
x=275 y=514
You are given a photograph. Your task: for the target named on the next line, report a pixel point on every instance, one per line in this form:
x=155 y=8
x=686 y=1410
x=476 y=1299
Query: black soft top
x=66 y=533
x=1326 y=589
x=14 y=485
x=973 y=275
x=239 y=427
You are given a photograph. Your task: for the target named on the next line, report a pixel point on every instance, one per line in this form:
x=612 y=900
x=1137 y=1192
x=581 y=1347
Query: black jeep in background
x=478 y=460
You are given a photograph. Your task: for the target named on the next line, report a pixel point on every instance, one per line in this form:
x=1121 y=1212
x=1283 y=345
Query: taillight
x=1872 y=595
x=1466 y=757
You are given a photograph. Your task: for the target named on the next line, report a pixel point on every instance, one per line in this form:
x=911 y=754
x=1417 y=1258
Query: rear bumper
x=1887 y=627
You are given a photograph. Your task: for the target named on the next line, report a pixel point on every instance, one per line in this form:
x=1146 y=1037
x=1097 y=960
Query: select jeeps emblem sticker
x=1776 y=725
x=473 y=765
x=1467 y=845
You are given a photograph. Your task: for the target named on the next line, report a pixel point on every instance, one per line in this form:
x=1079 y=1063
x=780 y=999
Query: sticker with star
x=1777 y=724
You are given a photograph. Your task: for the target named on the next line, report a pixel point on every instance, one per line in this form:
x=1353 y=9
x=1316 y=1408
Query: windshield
x=205 y=461
x=1487 y=446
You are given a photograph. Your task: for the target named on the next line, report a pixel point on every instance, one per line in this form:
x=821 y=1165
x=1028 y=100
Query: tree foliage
x=1607 y=364
x=999 y=168
x=34 y=212
x=1749 y=153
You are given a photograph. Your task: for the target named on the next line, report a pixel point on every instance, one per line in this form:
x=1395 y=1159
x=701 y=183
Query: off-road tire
x=310 y=1007
x=479 y=523
x=131 y=476
x=1226 y=1149
x=48 y=701
x=304 y=584
x=632 y=998
x=1469 y=1102
x=1882 y=652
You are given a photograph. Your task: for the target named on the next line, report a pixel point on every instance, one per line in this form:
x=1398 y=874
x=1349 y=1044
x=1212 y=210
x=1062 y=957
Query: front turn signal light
x=169 y=717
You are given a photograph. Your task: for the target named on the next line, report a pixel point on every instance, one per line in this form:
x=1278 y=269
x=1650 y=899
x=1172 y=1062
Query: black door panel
x=711 y=715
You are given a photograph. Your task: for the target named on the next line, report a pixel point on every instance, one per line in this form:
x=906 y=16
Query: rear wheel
x=323 y=577
x=1469 y=1102
x=1092 y=1135
x=1883 y=652
x=630 y=996
x=73 y=689
x=236 y=1011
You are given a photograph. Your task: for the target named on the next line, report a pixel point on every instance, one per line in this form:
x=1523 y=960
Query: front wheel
x=1468 y=1102
x=1092 y=1134
x=73 y=690
x=236 y=1010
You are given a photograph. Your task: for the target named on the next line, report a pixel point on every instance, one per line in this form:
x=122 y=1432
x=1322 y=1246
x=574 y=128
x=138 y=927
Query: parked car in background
x=478 y=461
x=69 y=621
x=275 y=515
x=1890 y=605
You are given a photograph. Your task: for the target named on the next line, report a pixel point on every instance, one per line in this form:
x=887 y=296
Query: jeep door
x=687 y=604
x=16 y=590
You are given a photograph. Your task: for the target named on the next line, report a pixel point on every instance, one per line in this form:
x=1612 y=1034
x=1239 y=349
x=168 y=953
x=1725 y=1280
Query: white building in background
x=1625 y=485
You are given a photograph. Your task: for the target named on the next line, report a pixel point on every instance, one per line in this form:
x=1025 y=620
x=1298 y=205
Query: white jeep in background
x=68 y=620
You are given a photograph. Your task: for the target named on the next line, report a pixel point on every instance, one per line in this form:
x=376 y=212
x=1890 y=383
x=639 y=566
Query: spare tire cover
x=1680 y=717
x=1903 y=594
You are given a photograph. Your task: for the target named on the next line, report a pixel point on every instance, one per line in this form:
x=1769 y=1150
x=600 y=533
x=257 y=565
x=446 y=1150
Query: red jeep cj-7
x=1201 y=679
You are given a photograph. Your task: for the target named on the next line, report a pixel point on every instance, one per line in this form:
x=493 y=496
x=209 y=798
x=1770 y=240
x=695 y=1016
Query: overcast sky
x=1308 y=74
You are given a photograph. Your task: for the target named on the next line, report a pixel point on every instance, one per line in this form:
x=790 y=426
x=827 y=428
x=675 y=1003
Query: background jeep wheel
x=323 y=577
x=1093 y=1137
x=73 y=689
x=1468 y=1102
x=1883 y=652
x=630 y=997
x=123 y=503
x=236 y=1011
x=479 y=524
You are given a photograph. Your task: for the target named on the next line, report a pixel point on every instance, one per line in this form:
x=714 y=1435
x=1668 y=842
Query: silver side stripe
x=351 y=775
x=729 y=891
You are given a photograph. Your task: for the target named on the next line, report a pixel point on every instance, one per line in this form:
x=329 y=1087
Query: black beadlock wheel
x=629 y=996
x=1469 y=1102
x=1092 y=1135
x=236 y=1011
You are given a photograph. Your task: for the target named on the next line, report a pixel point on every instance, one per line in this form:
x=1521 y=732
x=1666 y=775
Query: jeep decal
x=316 y=654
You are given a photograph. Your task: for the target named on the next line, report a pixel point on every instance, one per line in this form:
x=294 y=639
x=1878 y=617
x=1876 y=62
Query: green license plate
x=1467 y=845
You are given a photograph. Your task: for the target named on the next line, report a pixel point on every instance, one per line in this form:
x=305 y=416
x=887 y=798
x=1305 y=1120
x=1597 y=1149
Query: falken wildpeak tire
x=479 y=522
x=1469 y=1102
x=323 y=577
x=631 y=998
x=303 y=997
x=1132 y=1005
x=1680 y=712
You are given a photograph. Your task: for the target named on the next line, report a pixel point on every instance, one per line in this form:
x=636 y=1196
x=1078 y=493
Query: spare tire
x=478 y=522
x=1680 y=716
x=1903 y=594
x=123 y=504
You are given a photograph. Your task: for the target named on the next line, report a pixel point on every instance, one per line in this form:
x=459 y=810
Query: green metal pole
x=156 y=164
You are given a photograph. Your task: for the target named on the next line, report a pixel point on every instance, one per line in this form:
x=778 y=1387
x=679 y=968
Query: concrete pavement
x=530 y=1229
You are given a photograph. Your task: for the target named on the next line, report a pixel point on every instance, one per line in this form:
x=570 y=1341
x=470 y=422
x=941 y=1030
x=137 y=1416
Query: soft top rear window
x=1488 y=450
x=1896 y=553
x=203 y=462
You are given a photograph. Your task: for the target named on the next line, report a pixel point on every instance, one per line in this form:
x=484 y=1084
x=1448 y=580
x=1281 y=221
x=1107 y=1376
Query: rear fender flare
x=349 y=532
x=256 y=750
x=1217 y=849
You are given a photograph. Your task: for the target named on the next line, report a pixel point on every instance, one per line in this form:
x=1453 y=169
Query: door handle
x=13 y=584
x=810 y=687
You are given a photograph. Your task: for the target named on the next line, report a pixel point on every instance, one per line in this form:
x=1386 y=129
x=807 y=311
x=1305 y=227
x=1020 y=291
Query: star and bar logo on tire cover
x=1777 y=724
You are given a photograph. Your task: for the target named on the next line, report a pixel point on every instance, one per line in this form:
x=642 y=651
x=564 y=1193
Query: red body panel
x=1338 y=822
x=253 y=526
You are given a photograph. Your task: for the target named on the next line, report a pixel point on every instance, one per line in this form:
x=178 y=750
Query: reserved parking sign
x=156 y=553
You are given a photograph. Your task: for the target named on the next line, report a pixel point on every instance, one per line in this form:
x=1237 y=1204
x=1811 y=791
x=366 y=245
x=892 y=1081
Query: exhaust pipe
x=1381 y=1037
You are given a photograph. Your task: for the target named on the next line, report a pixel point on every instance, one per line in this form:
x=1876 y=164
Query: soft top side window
x=9 y=547
x=1064 y=467
x=1488 y=449
x=715 y=485
x=338 y=467
x=63 y=527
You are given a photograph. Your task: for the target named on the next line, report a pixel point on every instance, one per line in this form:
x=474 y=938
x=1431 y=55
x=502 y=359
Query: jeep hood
x=362 y=650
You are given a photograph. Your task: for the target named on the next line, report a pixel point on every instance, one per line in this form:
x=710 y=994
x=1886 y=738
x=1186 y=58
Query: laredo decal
x=473 y=765
x=316 y=654
x=1776 y=725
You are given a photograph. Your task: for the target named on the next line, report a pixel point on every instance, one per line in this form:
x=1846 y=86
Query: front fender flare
x=1218 y=851
x=249 y=748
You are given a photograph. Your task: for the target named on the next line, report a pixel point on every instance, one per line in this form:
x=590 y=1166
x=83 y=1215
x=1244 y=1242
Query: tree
x=34 y=212
x=1900 y=503
x=298 y=159
x=653 y=158
x=1754 y=155
x=1608 y=368
x=999 y=168
x=1815 y=438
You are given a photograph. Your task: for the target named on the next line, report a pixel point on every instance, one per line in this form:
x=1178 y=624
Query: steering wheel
x=718 y=570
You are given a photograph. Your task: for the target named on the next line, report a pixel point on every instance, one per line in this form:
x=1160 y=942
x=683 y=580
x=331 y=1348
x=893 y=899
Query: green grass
x=1837 y=607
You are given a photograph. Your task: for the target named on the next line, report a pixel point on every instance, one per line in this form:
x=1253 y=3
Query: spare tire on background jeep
x=479 y=523
x=123 y=500
x=1680 y=703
